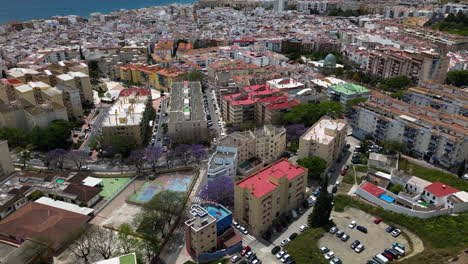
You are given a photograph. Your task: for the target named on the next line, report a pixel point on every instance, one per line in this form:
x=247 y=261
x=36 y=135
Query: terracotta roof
x=372 y=189
x=39 y=220
x=439 y=189
x=83 y=193
x=139 y=91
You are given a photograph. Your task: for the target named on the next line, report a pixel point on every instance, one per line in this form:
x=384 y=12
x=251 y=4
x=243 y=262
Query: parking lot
x=375 y=241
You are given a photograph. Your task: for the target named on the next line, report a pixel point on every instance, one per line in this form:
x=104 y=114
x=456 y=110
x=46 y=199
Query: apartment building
x=6 y=163
x=223 y=162
x=346 y=92
x=201 y=231
x=80 y=81
x=268 y=110
x=425 y=130
x=418 y=66
x=224 y=70
x=259 y=200
x=72 y=101
x=325 y=139
x=128 y=119
x=187 y=118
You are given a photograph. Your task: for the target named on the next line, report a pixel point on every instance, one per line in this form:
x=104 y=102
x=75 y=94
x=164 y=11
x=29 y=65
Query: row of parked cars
x=249 y=255
x=330 y=255
x=389 y=254
x=242 y=229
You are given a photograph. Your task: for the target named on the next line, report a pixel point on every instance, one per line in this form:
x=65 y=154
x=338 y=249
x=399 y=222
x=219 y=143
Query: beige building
x=72 y=101
x=201 y=231
x=269 y=194
x=325 y=139
x=80 y=81
x=6 y=164
x=187 y=119
x=127 y=120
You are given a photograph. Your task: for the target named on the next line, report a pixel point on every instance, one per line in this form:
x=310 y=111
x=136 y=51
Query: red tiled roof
x=83 y=193
x=259 y=183
x=372 y=189
x=139 y=91
x=278 y=102
x=439 y=189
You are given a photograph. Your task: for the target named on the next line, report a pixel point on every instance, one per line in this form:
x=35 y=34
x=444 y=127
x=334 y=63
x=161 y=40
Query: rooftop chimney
x=444 y=186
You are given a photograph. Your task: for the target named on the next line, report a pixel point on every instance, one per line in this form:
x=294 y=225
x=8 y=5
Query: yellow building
x=325 y=139
x=201 y=232
x=269 y=194
x=6 y=164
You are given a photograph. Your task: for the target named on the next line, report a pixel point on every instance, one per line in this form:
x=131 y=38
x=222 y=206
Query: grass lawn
x=443 y=236
x=304 y=248
x=112 y=186
x=432 y=175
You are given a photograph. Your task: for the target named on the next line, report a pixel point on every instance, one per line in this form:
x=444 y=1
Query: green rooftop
x=128 y=259
x=349 y=89
x=186 y=110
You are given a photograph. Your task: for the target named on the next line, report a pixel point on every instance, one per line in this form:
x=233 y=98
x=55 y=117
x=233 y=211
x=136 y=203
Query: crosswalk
x=247 y=240
x=196 y=200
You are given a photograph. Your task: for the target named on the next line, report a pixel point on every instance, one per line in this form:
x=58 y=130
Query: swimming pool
x=216 y=212
x=60 y=180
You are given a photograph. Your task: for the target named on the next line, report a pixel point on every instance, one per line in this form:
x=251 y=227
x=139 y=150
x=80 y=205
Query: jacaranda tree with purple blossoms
x=78 y=157
x=294 y=132
x=55 y=157
x=220 y=190
x=182 y=151
x=152 y=155
x=136 y=158
x=198 y=152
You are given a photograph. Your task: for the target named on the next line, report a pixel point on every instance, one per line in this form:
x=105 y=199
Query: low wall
x=399 y=209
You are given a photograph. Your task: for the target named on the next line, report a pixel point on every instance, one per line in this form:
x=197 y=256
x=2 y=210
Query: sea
x=23 y=10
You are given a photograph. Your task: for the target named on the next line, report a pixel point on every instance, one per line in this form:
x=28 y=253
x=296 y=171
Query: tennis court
x=174 y=181
x=111 y=186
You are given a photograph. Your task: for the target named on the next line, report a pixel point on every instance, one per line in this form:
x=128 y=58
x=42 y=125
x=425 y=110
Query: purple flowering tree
x=294 y=132
x=78 y=157
x=198 y=153
x=152 y=155
x=220 y=190
x=137 y=159
x=55 y=157
x=183 y=152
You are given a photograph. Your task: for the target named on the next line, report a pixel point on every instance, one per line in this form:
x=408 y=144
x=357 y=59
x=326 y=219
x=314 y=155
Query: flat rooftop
x=126 y=111
x=186 y=102
x=322 y=131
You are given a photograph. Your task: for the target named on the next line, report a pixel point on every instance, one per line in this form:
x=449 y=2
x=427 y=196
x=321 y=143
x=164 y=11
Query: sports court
x=173 y=181
x=111 y=186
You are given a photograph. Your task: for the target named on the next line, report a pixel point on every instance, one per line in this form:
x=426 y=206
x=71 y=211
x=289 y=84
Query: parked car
x=243 y=230
x=324 y=250
x=329 y=255
x=290 y=261
x=345 y=167
x=352 y=224
x=244 y=252
x=302 y=228
x=250 y=254
x=292 y=236
x=359 y=248
x=371 y=262
x=256 y=261
x=336 y=261
x=280 y=254
x=388 y=256
x=345 y=237
x=340 y=233
x=285 y=242
x=235 y=258
x=343 y=172
x=333 y=230
x=377 y=220
x=362 y=229
x=395 y=254
x=396 y=232
x=285 y=258
x=355 y=244
x=390 y=229
x=396 y=244
x=334 y=189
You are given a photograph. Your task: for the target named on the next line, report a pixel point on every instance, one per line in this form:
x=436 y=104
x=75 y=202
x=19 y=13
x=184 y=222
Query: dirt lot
x=375 y=241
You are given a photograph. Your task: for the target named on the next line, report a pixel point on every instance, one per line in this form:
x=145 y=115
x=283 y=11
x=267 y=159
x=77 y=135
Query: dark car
x=275 y=250
x=390 y=228
x=371 y=262
x=355 y=244
x=334 y=189
x=395 y=254
x=290 y=261
x=293 y=236
x=362 y=229
x=390 y=257
x=243 y=262
x=340 y=233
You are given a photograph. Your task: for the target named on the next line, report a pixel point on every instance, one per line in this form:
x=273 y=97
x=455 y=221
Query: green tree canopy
x=320 y=215
x=396 y=188
x=315 y=166
x=457 y=78
x=310 y=113
x=395 y=84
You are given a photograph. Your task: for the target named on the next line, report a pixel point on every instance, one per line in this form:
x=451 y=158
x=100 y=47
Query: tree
x=82 y=243
x=315 y=166
x=14 y=136
x=4 y=75
x=78 y=157
x=152 y=155
x=183 y=152
x=320 y=215
x=136 y=158
x=195 y=76
x=103 y=241
x=127 y=242
x=396 y=188
x=58 y=134
x=24 y=156
x=220 y=190
x=198 y=152
x=310 y=113
x=395 y=84
x=170 y=157
x=457 y=78
x=461 y=169
x=356 y=77
x=354 y=102
x=57 y=156
x=392 y=147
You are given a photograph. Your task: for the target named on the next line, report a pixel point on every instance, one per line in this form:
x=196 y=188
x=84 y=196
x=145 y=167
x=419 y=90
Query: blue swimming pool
x=387 y=198
x=216 y=212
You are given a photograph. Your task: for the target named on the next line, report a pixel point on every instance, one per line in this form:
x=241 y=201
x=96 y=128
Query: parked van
x=401 y=251
x=293 y=213
x=381 y=259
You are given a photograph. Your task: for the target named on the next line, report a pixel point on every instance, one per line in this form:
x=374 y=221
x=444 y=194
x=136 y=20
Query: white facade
x=223 y=163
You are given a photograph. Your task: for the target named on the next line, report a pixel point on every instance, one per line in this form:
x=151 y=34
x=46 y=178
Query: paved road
x=213 y=105
x=96 y=125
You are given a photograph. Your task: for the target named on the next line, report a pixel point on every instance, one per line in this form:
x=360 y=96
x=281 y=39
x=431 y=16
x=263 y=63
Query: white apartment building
x=80 y=81
x=325 y=139
x=223 y=163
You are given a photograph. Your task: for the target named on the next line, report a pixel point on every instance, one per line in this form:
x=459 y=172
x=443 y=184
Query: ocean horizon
x=24 y=10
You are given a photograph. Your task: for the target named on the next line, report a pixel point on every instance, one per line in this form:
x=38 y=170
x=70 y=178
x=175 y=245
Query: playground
x=111 y=186
x=173 y=181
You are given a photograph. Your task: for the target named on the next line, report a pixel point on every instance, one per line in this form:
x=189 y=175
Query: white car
x=243 y=230
x=280 y=254
x=329 y=255
x=256 y=261
x=352 y=224
x=303 y=228
x=235 y=258
x=359 y=248
x=285 y=242
x=285 y=258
